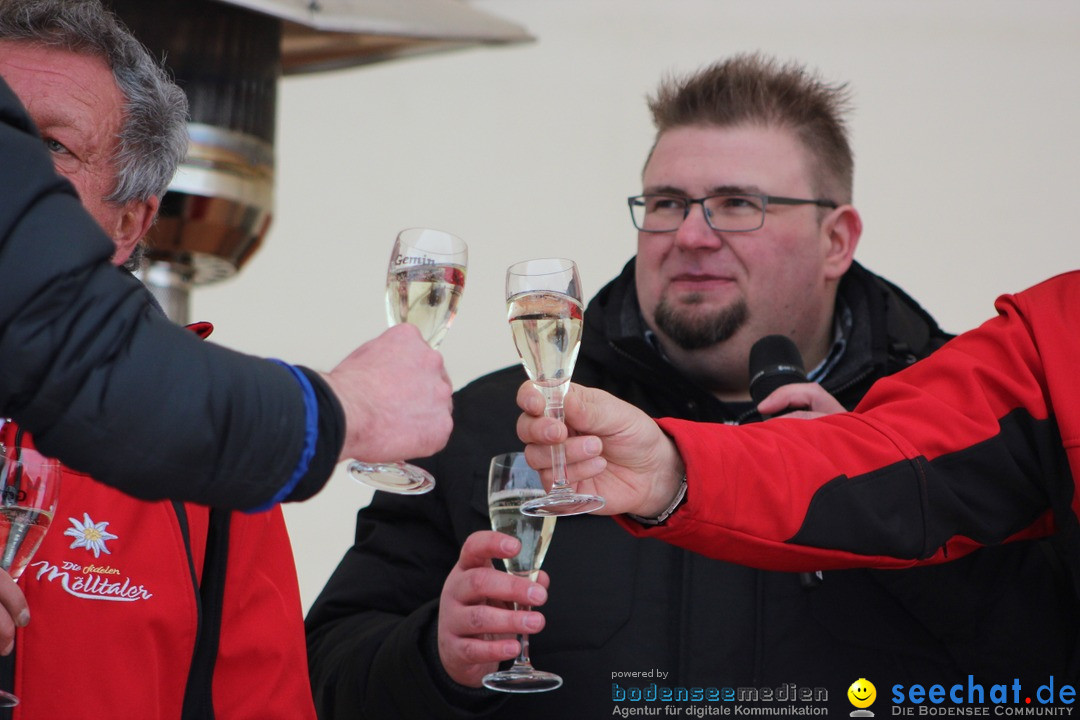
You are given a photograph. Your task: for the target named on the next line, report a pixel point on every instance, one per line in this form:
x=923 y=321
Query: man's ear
x=135 y=222
x=841 y=231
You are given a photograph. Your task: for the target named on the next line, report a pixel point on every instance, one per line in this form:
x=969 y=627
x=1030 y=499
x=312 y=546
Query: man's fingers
x=582 y=459
x=540 y=429
x=483 y=584
x=478 y=581
x=475 y=620
x=481 y=547
x=804 y=414
x=14 y=613
x=800 y=396
x=475 y=651
x=530 y=399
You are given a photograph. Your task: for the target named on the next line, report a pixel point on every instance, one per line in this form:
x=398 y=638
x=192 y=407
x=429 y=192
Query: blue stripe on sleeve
x=311 y=437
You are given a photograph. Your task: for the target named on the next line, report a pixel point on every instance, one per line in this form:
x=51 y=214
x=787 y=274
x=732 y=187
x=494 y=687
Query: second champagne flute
x=510 y=483
x=424 y=283
x=545 y=311
x=29 y=491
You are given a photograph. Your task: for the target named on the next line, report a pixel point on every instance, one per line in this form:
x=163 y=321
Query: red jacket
x=975 y=445
x=118 y=593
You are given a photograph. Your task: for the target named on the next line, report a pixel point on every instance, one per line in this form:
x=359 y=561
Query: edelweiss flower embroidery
x=90 y=535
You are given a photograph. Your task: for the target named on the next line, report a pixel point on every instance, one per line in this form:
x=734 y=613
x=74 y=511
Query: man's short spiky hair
x=752 y=89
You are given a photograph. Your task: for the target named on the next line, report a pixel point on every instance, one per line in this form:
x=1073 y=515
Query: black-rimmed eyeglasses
x=725 y=213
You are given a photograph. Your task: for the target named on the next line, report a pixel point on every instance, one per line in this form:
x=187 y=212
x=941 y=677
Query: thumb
x=590 y=411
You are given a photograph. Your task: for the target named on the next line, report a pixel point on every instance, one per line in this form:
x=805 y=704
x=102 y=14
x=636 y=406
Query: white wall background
x=966 y=134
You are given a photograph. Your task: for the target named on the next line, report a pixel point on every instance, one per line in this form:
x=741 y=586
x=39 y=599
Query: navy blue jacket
x=111 y=387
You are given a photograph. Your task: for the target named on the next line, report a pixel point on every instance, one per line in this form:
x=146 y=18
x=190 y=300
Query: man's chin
x=696 y=327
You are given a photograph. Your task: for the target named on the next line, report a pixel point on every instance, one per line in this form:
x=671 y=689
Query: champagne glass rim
x=559 y=265
x=517 y=472
x=414 y=237
x=26 y=456
x=507 y=458
x=29 y=479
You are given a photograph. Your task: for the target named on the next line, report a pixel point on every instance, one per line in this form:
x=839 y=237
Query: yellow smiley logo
x=862 y=693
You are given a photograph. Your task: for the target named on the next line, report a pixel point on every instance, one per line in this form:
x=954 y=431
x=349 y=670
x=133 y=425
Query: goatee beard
x=692 y=331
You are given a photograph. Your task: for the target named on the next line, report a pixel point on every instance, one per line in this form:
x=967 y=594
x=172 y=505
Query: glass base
x=522 y=679
x=557 y=503
x=397 y=478
x=7 y=700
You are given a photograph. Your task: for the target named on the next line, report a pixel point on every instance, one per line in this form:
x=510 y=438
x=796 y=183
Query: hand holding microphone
x=774 y=362
x=778 y=382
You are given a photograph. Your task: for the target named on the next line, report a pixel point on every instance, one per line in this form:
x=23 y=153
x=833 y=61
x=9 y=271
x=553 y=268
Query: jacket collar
x=882 y=329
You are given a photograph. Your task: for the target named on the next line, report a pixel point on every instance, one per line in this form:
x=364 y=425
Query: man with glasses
x=745 y=229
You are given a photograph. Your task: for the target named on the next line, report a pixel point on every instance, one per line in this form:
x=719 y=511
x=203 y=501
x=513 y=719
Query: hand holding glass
x=424 y=283
x=545 y=311
x=511 y=482
x=29 y=490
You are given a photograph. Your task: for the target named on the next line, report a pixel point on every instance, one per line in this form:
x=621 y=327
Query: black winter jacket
x=619 y=606
x=110 y=386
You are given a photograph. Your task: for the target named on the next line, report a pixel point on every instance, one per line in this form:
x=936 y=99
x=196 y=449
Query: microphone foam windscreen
x=774 y=361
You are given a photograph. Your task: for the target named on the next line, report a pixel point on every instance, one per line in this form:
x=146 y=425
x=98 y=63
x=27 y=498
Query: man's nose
x=695 y=232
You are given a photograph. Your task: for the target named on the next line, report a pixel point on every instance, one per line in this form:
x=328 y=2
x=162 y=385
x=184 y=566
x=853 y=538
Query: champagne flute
x=424 y=283
x=511 y=482
x=29 y=490
x=544 y=307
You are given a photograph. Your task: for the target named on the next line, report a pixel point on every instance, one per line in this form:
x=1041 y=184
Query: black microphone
x=775 y=361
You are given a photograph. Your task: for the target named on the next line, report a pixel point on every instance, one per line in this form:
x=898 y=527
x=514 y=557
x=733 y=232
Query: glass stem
x=554 y=409
x=522 y=660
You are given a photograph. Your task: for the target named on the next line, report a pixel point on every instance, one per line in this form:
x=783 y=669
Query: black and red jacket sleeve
x=977 y=445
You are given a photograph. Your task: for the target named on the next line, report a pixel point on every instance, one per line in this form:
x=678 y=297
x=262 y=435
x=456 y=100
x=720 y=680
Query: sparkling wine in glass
x=511 y=482
x=545 y=311
x=424 y=283
x=29 y=490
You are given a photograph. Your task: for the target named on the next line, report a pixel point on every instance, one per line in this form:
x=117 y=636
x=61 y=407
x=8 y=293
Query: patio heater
x=229 y=55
